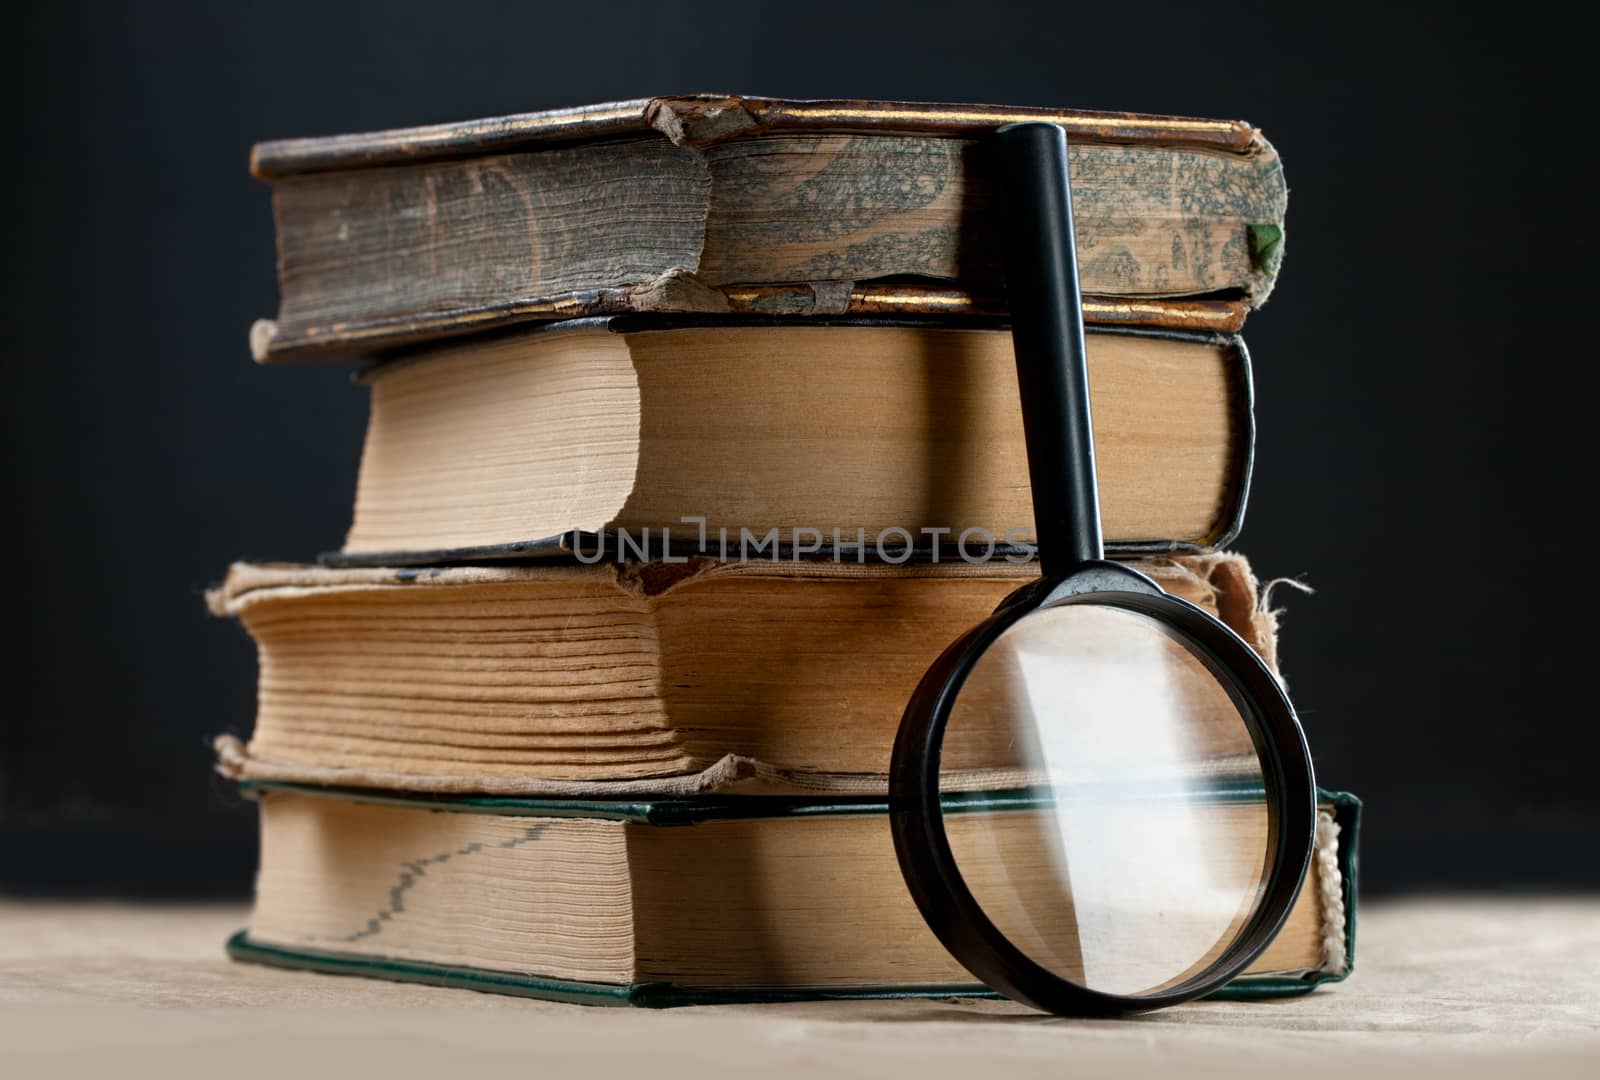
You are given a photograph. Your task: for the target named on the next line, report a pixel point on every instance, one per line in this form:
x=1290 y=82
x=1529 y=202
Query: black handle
x=1041 y=270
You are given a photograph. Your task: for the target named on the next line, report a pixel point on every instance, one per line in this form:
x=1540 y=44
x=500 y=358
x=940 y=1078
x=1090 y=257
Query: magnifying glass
x=1101 y=798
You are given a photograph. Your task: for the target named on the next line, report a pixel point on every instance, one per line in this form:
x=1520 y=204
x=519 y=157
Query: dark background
x=1423 y=388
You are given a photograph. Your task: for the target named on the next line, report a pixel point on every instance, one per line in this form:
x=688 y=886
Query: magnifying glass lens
x=1105 y=800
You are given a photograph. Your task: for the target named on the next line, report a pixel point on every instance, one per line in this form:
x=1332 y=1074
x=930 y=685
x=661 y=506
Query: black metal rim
x=923 y=848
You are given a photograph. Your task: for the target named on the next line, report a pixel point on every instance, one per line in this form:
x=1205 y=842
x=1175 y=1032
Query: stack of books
x=694 y=439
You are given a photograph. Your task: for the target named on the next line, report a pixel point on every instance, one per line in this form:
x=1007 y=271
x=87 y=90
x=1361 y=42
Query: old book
x=504 y=447
x=613 y=680
x=706 y=202
x=739 y=899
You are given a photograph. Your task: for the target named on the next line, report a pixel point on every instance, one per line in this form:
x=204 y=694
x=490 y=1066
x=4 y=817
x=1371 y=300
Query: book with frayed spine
x=719 y=203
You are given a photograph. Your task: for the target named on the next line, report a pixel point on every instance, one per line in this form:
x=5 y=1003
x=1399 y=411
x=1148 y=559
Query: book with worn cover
x=658 y=902
x=717 y=203
x=610 y=679
x=815 y=435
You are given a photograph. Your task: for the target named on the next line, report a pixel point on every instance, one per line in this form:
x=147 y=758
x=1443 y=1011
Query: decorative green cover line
x=641 y=995
x=692 y=810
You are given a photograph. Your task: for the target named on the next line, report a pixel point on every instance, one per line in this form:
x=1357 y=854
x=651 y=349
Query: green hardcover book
x=656 y=903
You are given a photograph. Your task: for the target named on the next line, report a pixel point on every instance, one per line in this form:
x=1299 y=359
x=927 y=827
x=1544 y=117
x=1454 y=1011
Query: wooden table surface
x=1491 y=986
